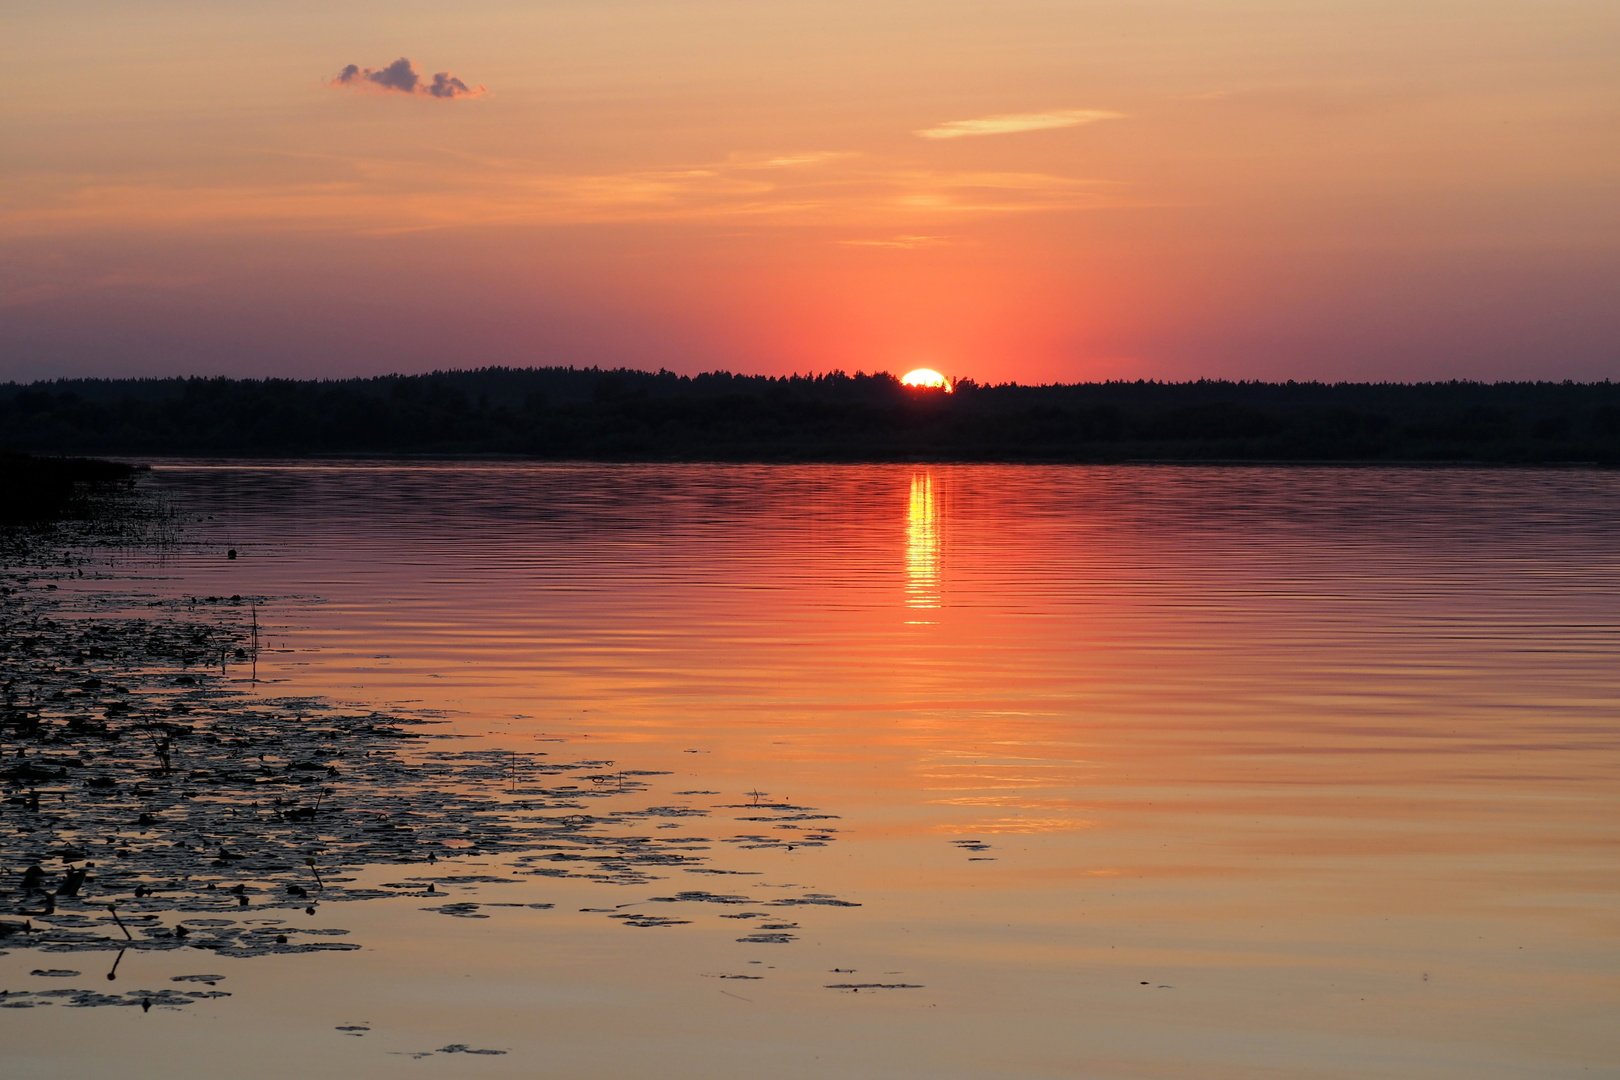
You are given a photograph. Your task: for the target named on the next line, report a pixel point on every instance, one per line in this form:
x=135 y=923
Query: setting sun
x=926 y=377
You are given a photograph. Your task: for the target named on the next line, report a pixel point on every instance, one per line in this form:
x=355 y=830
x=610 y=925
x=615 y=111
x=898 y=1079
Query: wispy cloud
x=804 y=159
x=902 y=243
x=1012 y=123
x=876 y=202
x=19 y=293
x=953 y=194
x=401 y=77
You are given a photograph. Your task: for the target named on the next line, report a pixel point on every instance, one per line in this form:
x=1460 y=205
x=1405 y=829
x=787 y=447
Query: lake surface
x=1138 y=771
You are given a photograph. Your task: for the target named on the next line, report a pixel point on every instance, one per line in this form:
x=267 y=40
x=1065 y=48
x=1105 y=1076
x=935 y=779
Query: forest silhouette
x=613 y=415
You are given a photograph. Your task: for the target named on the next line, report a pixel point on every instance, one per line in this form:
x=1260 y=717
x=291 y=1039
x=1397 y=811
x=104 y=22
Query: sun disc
x=927 y=378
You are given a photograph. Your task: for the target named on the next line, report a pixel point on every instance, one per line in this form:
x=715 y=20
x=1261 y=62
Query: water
x=1291 y=772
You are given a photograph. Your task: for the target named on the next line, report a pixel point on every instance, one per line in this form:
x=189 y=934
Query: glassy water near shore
x=1139 y=771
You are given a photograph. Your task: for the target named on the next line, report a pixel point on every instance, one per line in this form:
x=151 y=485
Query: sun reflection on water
x=922 y=545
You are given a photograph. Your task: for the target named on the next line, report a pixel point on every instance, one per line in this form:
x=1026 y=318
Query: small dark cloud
x=401 y=77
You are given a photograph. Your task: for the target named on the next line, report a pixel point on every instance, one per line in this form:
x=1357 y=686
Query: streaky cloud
x=803 y=160
x=866 y=203
x=1012 y=123
x=401 y=77
x=903 y=243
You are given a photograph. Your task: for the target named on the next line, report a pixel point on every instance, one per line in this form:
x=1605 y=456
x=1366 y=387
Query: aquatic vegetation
x=150 y=802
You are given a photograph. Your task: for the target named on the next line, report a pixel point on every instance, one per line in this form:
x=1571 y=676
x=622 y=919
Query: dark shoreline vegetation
x=43 y=489
x=153 y=798
x=623 y=415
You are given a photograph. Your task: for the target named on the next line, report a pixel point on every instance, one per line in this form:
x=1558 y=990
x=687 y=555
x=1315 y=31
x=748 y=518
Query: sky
x=1028 y=190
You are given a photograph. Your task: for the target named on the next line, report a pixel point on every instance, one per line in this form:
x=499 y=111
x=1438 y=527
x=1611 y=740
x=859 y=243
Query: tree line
x=621 y=414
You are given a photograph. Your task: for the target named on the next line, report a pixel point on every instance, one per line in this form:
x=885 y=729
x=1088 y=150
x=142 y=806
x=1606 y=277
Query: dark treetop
x=590 y=413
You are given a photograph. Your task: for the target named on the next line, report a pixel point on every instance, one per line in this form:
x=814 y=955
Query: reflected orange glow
x=922 y=544
x=1143 y=740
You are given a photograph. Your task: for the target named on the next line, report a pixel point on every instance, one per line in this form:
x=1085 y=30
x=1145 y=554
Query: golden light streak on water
x=922 y=545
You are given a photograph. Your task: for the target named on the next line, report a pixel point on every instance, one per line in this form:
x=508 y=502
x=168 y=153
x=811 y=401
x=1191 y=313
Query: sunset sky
x=1039 y=190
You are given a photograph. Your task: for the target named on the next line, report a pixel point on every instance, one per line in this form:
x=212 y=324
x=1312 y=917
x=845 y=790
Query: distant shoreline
x=228 y=460
x=591 y=414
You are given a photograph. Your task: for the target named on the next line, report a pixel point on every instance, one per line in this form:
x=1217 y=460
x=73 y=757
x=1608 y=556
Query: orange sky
x=1031 y=189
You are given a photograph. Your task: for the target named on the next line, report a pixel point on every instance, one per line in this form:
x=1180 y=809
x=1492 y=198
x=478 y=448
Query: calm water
x=1281 y=772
